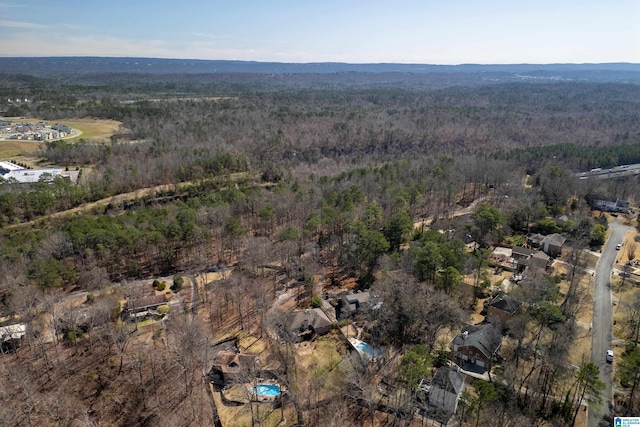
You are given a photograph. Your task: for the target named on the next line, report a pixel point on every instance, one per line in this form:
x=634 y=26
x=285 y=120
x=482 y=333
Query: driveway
x=602 y=323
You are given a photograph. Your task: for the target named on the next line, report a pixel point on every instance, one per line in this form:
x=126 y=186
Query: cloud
x=22 y=25
x=65 y=44
x=204 y=35
x=72 y=27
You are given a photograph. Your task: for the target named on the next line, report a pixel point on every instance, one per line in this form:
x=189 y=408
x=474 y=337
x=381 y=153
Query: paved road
x=601 y=334
x=615 y=172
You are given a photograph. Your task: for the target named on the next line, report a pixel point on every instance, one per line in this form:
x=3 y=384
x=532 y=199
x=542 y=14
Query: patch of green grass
x=146 y=322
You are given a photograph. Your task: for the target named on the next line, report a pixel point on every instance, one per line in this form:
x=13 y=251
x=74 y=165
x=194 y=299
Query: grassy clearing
x=11 y=149
x=93 y=130
x=320 y=363
x=247 y=341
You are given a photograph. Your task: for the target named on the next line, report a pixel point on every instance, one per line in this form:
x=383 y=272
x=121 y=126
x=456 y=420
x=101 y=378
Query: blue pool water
x=267 y=390
x=368 y=350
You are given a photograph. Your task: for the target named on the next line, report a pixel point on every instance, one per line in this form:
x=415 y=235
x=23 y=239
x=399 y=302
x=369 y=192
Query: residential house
x=306 y=324
x=501 y=309
x=540 y=260
x=351 y=303
x=532 y=277
x=552 y=244
x=476 y=346
x=140 y=308
x=440 y=396
x=232 y=366
x=611 y=204
x=535 y=241
x=81 y=317
x=501 y=255
x=521 y=257
x=61 y=128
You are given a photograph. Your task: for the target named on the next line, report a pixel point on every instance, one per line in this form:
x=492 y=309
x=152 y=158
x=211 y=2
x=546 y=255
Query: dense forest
x=307 y=184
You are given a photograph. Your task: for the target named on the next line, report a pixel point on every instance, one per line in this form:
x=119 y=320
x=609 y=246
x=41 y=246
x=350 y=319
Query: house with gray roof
x=552 y=244
x=521 y=257
x=140 y=308
x=476 y=346
x=611 y=204
x=535 y=240
x=351 y=303
x=439 y=397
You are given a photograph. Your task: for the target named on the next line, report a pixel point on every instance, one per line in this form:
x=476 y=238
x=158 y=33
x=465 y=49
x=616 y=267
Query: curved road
x=602 y=323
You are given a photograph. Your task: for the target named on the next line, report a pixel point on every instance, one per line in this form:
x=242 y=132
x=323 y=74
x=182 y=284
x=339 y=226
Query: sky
x=354 y=31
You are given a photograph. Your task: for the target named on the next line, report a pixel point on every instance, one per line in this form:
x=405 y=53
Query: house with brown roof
x=232 y=366
x=501 y=309
x=540 y=260
x=532 y=276
x=306 y=324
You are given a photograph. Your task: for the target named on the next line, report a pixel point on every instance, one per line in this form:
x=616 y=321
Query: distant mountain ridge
x=48 y=66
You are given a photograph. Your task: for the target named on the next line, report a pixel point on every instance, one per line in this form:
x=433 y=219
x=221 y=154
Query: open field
x=11 y=149
x=93 y=130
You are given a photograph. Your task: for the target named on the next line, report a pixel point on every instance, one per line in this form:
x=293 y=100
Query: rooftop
x=449 y=380
x=483 y=337
x=304 y=318
x=13 y=332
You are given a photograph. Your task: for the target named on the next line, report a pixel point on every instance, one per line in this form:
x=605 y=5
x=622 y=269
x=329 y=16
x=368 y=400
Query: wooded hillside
x=289 y=194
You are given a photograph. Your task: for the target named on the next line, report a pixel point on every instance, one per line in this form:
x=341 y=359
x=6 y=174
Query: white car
x=609 y=356
x=618 y=246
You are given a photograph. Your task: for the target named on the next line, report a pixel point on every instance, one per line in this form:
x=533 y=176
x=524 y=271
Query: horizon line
x=318 y=62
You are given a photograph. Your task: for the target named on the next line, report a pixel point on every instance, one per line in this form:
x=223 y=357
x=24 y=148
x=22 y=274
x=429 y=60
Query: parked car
x=609 y=356
x=618 y=246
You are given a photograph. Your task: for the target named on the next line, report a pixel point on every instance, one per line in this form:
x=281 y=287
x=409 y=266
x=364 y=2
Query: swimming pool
x=368 y=350
x=266 y=390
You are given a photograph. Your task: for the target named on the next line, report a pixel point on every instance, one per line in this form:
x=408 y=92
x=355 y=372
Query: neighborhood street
x=602 y=323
